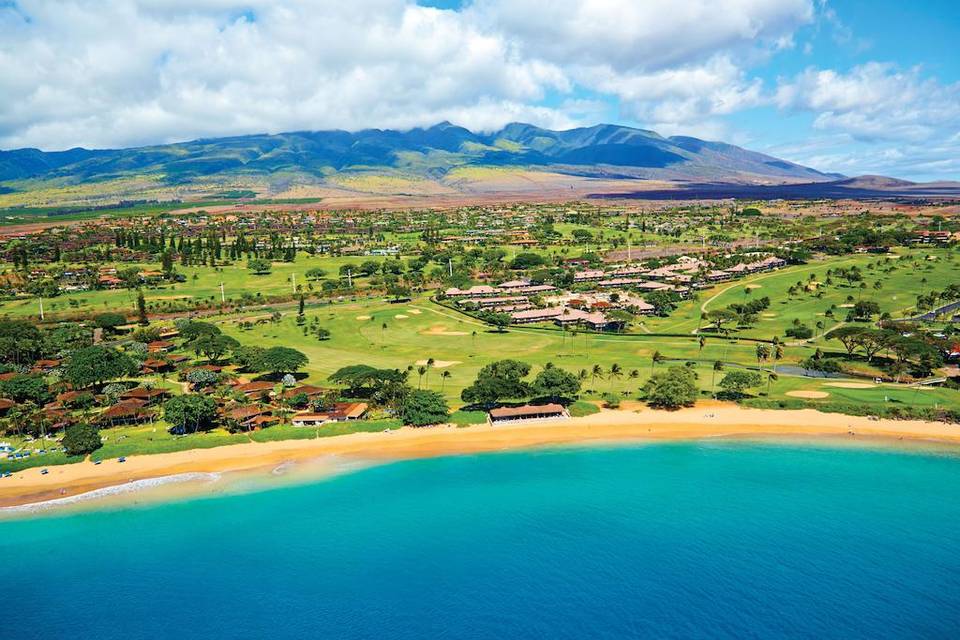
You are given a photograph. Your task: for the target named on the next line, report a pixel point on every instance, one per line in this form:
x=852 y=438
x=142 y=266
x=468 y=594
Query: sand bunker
x=363 y=317
x=754 y=286
x=810 y=395
x=441 y=330
x=400 y=316
x=437 y=364
x=769 y=315
x=850 y=385
x=416 y=312
x=845 y=306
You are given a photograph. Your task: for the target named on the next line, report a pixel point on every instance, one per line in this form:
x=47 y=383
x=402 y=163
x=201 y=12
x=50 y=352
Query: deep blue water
x=700 y=540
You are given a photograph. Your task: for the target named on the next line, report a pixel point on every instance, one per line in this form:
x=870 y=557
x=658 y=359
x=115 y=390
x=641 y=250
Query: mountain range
x=607 y=150
x=444 y=160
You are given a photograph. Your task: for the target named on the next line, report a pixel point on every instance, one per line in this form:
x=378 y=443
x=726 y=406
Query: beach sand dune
x=706 y=420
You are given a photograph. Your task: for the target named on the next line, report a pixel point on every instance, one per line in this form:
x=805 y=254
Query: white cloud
x=628 y=35
x=133 y=72
x=124 y=72
x=875 y=102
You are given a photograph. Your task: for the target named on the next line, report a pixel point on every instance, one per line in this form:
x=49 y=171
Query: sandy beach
x=632 y=422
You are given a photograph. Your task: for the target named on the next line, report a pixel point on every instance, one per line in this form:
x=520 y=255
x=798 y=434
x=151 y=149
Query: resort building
x=528 y=412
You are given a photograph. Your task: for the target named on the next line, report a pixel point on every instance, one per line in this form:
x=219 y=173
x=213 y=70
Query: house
x=477 y=291
x=160 y=346
x=261 y=421
x=131 y=411
x=590 y=275
x=308 y=390
x=243 y=414
x=535 y=315
x=251 y=389
x=513 y=284
x=932 y=237
x=5 y=405
x=641 y=308
x=349 y=411
x=310 y=419
x=45 y=366
x=620 y=282
x=528 y=412
x=155 y=365
x=147 y=395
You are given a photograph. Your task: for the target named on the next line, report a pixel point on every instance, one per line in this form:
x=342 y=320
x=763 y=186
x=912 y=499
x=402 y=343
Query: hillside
x=609 y=151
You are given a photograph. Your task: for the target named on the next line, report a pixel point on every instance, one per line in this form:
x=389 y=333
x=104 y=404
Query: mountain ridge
x=604 y=149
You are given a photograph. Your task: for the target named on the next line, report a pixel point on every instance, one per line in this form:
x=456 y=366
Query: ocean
x=718 y=539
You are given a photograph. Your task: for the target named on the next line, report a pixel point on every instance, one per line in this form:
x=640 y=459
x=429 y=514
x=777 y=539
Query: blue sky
x=846 y=86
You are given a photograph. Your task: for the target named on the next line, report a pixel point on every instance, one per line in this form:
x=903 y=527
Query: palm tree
x=770 y=376
x=656 y=359
x=383 y=328
x=582 y=375
x=430 y=363
x=763 y=353
x=446 y=375
x=717 y=366
x=634 y=374
x=596 y=372
x=616 y=371
x=703 y=343
x=421 y=370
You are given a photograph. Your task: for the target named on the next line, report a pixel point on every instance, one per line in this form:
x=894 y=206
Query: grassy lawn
x=202 y=283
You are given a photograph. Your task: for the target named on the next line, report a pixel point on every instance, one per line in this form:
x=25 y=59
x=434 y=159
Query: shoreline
x=85 y=483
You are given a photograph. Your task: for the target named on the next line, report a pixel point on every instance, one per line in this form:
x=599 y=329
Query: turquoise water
x=695 y=540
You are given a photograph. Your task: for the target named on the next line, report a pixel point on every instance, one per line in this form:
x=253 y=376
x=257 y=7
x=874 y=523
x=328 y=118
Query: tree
x=315 y=273
x=850 y=337
x=67 y=337
x=249 y=358
x=20 y=342
x=259 y=266
x=498 y=380
x=717 y=366
x=864 y=309
x=363 y=380
x=25 y=388
x=97 y=364
x=194 y=329
x=202 y=377
x=763 y=354
x=737 y=381
x=109 y=321
x=656 y=359
x=422 y=408
x=500 y=320
x=283 y=360
x=213 y=346
x=81 y=439
x=189 y=413
x=142 y=310
x=674 y=388
x=719 y=317
x=526 y=260
x=556 y=383
x=663 y=302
